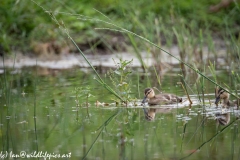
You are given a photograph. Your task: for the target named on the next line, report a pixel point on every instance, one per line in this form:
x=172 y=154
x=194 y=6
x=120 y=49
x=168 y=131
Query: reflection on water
x=51 y=117
x=223 y=119
x=151 y=112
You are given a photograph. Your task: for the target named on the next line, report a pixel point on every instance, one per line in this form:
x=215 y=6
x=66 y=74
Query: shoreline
x=66 y=61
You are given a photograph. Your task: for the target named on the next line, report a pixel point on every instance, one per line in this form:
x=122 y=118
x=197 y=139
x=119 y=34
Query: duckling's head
x=149 y=93
x=221 y=94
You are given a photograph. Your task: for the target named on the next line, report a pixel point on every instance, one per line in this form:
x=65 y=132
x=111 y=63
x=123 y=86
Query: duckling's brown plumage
x=159 y=98
x=224 y=95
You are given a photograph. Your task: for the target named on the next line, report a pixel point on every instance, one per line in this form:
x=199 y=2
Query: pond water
x=44 y=112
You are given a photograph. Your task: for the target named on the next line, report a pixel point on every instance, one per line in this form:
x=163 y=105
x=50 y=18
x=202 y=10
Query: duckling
x=224 y=95
x=160 y=98
x=157 y=100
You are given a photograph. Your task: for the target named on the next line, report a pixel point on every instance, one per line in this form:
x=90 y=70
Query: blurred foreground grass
x=24 y=24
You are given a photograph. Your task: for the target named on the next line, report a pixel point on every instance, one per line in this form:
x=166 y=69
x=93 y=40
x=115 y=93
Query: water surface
x=43 y=113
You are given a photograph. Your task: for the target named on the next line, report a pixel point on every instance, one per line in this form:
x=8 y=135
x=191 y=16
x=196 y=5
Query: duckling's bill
x=217 y=100
x=144 y=100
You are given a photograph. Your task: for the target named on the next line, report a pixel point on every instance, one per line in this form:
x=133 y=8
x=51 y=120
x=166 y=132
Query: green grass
x=23 y=22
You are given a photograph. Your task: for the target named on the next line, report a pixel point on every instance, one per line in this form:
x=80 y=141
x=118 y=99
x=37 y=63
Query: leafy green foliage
x=82 y=95
x=121 y=80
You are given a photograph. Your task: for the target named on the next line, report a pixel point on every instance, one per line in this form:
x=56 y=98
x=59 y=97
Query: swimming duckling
x=159 y=98
x=224 y=95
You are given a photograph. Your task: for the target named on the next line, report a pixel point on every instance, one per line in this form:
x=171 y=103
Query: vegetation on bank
x=26 y=28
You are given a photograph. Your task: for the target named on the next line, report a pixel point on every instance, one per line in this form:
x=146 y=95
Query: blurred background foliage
x=23 y=23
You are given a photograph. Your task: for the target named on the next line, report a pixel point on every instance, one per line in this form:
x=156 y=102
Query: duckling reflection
x=223 y=119
x=151 y=112
x=159 y=98
x=224 y=95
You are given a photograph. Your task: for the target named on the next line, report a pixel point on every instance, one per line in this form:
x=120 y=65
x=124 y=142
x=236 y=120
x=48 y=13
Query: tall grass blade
x=139 y=56
x=104 y=125
x=158 y=76
x=35 y=108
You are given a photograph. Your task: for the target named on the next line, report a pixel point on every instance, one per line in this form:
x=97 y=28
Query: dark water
x=42 y=113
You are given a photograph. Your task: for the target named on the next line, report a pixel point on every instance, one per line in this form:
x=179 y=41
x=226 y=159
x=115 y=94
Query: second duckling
x=224 y=95
x=159 y=98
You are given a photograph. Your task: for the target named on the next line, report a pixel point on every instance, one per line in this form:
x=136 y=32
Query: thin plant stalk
x=138 y=54
x=202 y=89
x=138 y=86
x=213 y=70
x=183 y=135
x=35 y=108
x=198 y=92
x=87 y=104
x=7 y=94
x=185 y=90
x=158 y=77
x=201 y=45
x=102 y=127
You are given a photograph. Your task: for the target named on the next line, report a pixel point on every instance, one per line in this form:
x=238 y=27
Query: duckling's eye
x=221 y=92
x=148 y=92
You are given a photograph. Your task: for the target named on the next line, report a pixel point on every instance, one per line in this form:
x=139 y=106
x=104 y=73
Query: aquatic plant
x=82 y=95
x=121 y=80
